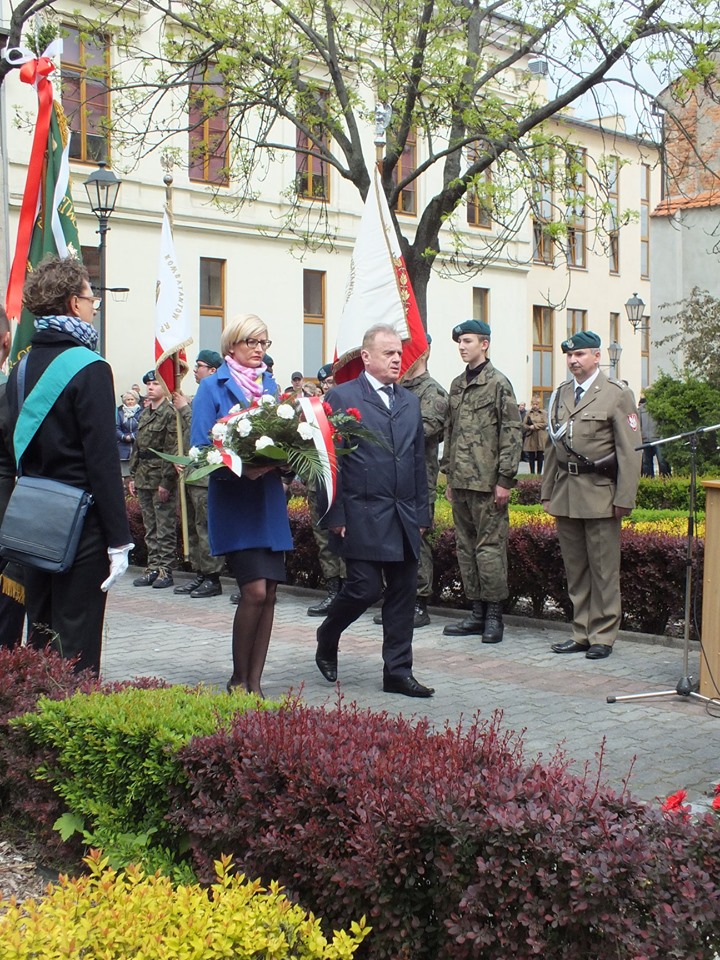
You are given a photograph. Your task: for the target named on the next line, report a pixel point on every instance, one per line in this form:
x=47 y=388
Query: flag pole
x=168 y=181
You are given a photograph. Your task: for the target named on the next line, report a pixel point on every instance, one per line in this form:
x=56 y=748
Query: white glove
x=118 y=564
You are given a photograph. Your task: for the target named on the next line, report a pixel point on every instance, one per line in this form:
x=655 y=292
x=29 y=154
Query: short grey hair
x=372 y=332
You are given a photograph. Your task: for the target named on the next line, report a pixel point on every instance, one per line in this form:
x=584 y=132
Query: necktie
x=579 y=391
x=390 y=394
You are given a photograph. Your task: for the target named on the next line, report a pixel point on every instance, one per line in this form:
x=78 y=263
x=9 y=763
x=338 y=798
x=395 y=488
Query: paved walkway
x=556 y=699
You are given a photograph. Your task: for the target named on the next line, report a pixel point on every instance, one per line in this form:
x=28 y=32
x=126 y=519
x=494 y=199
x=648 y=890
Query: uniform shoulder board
x=618 y=383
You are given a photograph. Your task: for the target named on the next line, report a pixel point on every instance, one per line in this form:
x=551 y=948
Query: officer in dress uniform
x=591 y=477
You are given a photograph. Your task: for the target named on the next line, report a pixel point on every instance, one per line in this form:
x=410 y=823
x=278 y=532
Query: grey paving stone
x=671 y=742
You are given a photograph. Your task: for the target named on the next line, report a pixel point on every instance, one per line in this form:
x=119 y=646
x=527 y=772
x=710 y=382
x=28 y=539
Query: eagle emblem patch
x=633 y=421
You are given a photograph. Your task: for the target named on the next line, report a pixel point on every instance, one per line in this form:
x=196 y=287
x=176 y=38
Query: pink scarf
x=249 y=379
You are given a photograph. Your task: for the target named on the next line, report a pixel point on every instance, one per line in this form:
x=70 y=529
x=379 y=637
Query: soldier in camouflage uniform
x=483 y=444
x=434 y=409
x=332 y=566
x=154 y=480
x=208 y=569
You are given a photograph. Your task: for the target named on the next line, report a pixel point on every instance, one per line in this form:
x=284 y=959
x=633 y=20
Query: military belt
x=575 y=468
x=148 y=455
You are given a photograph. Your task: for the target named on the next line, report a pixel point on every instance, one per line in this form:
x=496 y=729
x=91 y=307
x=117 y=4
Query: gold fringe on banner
x=11 y=588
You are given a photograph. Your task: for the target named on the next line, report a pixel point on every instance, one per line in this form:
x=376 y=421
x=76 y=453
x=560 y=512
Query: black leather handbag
x=44 y=518
x=42 y=524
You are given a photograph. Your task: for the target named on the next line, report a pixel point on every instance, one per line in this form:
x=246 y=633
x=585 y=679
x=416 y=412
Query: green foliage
x=697 y=332
x=679 y=406
x=112 y=759
x=117 y=916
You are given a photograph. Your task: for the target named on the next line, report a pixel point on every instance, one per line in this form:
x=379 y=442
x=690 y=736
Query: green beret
x=325 y=372
x=149 y=377
x=210 y=358
x=585 y=340
x=471 y=326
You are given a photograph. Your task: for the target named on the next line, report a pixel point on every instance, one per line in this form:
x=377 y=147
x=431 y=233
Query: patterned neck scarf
x=249 y=379
x=85 y=333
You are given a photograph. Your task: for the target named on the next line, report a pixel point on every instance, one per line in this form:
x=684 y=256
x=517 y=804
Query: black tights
x=251 y=633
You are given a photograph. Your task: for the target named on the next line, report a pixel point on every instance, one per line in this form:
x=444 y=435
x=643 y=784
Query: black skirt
x=257 y=563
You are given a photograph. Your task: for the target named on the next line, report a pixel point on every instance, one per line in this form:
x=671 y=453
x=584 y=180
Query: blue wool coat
x=382 y=495
x=242 y=513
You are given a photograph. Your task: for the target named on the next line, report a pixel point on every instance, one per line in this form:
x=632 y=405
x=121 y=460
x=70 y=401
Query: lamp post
x=635 y=308
x=102 y=188
x=614 y=351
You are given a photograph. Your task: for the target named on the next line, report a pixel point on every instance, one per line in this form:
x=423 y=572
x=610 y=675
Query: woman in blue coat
x=247 y=516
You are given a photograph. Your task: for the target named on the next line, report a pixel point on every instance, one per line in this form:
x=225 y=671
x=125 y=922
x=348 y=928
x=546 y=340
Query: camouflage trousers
x=197 y=509
x=330 y=563
x=160 y=522
x=481 y=535
x=425 y=563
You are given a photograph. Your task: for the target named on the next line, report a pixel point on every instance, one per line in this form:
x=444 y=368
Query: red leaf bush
x=451 y=843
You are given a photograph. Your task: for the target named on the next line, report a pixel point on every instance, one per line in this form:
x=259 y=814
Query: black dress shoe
x=569 y=646
x=328 y=668
x=408 y=686
x=184 y=589
x=208 y=588
x=598 y=651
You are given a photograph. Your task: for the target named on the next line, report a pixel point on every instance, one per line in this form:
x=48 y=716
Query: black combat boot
x=494 y=627
x=474 y=624
x=164 y=579
x=147 y=579
x=320 y=609
x=422 y=618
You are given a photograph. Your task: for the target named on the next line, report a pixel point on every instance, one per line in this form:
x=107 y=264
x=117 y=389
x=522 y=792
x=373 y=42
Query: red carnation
x=716 y=791
x=354 y=412
x=674 y=803
x=327 y=408
x=716 y=802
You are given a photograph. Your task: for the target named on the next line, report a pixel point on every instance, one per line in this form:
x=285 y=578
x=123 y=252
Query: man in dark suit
x=380 y=513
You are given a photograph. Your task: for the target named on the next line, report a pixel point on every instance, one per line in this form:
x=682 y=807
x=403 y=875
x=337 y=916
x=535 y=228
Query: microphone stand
x=686 y=685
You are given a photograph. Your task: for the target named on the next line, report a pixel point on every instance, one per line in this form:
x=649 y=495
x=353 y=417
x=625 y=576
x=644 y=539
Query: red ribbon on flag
x=35 y=72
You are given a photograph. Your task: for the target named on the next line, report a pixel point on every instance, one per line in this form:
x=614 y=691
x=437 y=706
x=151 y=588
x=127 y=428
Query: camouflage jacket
x=483 y=433
x=434 y=407
x=157 y=430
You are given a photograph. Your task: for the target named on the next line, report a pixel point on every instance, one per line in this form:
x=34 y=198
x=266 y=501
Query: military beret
x=585 y=340
x=325 y=372
x=471 y=326
x=149 y=377
x=268 y=360
x=210 y=357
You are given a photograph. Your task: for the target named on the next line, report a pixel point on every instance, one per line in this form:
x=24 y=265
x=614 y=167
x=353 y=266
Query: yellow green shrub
x=114 y=916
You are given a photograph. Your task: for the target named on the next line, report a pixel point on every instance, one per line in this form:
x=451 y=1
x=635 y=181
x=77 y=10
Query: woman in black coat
x=75 y=444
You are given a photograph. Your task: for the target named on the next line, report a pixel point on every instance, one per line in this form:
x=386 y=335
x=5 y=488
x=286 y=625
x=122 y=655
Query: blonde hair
x=240 y=328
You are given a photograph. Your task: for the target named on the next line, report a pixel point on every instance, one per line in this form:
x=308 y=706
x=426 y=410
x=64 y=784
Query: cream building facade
x=233 y=262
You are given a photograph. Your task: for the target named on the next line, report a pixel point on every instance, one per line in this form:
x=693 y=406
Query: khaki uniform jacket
x=483 y=433
x=157 y=430
x=605 y=421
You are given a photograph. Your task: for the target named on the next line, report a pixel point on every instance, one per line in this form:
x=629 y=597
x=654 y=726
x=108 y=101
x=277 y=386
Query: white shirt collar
x=587 y=383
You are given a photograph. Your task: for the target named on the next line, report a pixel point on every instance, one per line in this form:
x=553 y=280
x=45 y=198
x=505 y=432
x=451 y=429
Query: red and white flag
x=378 y=290
x=172 y=326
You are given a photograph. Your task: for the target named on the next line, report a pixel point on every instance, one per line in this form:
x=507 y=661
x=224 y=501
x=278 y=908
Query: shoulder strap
x=45 y=392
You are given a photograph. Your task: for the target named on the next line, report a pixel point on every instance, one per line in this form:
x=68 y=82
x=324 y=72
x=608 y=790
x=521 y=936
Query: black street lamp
x=102 y=188
x=635 y=308
x=614 y=351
